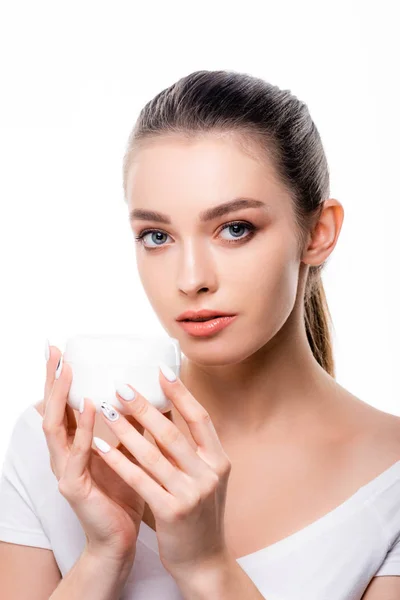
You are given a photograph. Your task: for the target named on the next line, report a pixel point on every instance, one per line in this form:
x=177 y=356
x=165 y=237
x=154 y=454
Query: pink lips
x=206 y=328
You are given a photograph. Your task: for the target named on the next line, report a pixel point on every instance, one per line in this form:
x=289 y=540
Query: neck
x=278 y=390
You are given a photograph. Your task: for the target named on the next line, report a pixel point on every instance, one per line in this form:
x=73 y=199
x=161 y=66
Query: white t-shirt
x=333 y=558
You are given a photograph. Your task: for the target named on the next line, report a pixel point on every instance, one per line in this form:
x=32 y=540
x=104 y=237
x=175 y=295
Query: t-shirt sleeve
x=19 y=523
x=391 y=564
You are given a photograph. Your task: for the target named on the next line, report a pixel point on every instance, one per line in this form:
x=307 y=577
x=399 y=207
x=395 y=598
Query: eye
x=234 y=224
x=140 y=238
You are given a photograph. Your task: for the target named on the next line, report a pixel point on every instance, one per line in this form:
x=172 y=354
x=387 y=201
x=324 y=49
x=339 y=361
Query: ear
x=325 y=233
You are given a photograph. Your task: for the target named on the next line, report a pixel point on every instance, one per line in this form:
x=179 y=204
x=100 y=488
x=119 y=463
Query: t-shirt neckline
x=356 y=501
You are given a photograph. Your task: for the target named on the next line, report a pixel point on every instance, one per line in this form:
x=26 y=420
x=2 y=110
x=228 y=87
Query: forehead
x=215 y=167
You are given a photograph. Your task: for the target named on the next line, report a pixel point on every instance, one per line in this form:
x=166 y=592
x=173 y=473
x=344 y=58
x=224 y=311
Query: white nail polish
x=59 y=368
x=82 y=405
x=167 y=372
x=125 y=391
x=47 y=350
x=101 y=444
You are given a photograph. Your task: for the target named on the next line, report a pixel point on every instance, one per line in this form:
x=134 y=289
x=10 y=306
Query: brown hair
x=227 y=101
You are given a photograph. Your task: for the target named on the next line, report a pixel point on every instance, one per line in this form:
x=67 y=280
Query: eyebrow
x=207 y=215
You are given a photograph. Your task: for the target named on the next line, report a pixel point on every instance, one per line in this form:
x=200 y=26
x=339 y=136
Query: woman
x=227 y=187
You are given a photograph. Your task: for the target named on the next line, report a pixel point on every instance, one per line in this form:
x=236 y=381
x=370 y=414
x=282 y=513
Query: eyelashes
x=252 y=229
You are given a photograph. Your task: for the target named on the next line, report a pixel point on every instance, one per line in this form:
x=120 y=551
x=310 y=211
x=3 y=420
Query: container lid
x=122 y=349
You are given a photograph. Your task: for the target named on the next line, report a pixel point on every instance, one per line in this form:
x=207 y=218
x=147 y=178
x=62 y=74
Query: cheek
x=273 y=280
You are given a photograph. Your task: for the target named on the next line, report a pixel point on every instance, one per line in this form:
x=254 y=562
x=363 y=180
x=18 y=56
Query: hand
x=186 y=488
x=109 y=510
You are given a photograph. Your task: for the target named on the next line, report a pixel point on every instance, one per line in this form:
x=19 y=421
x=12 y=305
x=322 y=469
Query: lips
x=206 y=329
x=201 y=320
x=191 y=315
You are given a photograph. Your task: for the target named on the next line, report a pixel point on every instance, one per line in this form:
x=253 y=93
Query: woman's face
x=192 y=263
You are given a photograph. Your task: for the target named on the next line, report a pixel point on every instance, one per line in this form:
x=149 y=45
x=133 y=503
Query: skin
x=257 y=378
x=287 y=426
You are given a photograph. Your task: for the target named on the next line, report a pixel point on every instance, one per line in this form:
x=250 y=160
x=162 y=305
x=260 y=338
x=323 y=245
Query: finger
x=70 y=421
x=123 y=449
x=54 y=425
x=197 y=418
x=80 y=450
x=51 y=367
x=158 y=498
x=164 y=451
x=139 y=428
x=168 y=415
x=165 y=433
x=149 y=456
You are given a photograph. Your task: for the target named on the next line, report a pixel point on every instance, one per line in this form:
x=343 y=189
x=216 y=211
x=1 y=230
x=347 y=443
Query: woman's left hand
x=186 y=491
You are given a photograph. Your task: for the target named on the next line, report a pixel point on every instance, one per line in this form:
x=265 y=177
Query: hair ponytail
x=317 y=320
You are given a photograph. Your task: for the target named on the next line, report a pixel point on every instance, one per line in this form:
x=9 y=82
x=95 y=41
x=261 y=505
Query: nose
x=197 y=270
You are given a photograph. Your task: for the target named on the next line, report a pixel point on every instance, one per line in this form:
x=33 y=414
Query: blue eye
x=238 y=224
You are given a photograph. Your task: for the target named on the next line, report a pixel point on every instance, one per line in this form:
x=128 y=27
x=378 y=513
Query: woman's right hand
x=109 y=510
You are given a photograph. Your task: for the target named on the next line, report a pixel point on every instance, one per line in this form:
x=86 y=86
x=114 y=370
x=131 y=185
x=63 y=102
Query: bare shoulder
x=383 y=424
x=379 y=434
x=388 y=426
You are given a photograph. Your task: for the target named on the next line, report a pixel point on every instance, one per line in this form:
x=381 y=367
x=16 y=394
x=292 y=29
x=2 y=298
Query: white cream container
x=100 y=362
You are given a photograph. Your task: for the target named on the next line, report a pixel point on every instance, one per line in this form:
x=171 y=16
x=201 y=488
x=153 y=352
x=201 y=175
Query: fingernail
x=167 y=372
x=126 y=392
x=59 y=367
x=109 y=411
x=82 y=405
x=47 y=350
x=101 y=444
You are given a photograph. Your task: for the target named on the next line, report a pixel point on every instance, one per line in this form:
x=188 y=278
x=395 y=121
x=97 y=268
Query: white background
x=74 y=76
